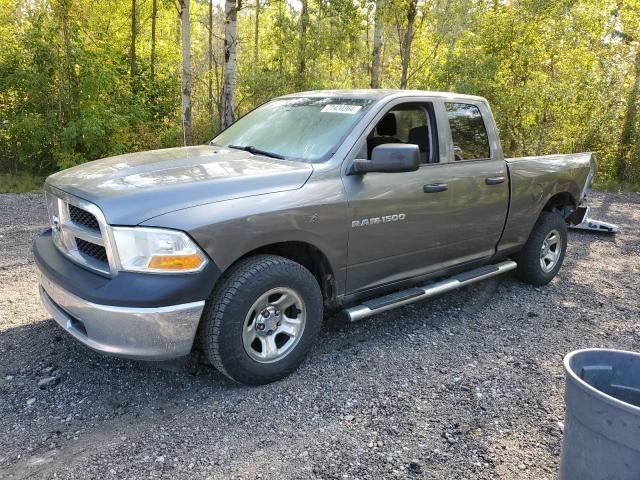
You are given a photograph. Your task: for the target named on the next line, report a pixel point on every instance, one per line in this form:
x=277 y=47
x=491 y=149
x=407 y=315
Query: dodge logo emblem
x=55 y=224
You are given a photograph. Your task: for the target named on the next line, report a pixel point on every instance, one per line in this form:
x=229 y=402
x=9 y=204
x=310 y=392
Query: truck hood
x=135 y=187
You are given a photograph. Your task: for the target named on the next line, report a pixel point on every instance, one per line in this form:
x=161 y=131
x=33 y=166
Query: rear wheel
x=543 y=254
x=261 y=321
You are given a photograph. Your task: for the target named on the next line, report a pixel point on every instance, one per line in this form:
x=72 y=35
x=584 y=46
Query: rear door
x=477 y=177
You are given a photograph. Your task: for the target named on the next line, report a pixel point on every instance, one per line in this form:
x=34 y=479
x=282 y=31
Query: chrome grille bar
x=84 y=233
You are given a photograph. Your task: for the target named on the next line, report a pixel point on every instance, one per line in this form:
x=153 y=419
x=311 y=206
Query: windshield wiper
x=252 y=149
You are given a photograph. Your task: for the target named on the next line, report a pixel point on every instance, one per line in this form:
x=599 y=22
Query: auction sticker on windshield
x=350 y=109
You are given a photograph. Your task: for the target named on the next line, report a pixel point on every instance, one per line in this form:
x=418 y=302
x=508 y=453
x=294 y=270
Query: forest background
x=86 y=79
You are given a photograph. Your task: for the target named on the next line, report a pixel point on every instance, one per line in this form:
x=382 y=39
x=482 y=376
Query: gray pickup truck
x=349 y=202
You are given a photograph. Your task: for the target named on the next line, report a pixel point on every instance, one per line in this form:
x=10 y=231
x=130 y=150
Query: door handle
x=435 y=187
x=493 y=180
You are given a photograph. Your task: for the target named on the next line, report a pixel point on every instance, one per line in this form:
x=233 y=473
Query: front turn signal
x=175 y=262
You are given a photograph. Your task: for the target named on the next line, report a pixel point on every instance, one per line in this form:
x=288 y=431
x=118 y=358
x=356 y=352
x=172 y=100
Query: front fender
x=316 y=214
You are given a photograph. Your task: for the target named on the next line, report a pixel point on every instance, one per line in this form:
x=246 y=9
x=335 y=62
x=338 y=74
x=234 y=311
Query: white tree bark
x=230 y=66
x=186 y=71
x=210 y=61
x=376 y=64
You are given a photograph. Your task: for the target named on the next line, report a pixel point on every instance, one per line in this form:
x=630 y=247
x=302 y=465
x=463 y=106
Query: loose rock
x=48 y=382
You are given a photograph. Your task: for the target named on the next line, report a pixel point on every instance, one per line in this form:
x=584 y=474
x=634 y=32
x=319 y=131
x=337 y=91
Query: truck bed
x=535 y=179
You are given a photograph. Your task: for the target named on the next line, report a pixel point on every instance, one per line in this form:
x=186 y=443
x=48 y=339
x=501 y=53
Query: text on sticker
x=349 y=109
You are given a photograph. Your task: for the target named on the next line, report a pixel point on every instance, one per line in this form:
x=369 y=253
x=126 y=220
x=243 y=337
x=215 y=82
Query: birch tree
x=210 y=61
x=185 y=23
x=230 y=62
x=376 y=63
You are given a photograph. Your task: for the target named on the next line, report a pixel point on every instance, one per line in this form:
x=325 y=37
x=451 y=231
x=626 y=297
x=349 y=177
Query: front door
x=412 y=224
x=393 y=233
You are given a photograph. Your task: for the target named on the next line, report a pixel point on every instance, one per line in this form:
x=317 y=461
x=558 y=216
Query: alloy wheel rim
x=550 y=251
x=274 y=325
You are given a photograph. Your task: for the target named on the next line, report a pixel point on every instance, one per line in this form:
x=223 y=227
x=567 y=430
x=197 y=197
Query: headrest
x=387 y=126
x=419 y=136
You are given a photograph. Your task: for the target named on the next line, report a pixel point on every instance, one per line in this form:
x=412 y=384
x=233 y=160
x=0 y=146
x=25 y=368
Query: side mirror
x=389 y=158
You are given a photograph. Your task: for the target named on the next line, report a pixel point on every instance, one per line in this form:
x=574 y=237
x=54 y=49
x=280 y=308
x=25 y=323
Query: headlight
x=157 y=250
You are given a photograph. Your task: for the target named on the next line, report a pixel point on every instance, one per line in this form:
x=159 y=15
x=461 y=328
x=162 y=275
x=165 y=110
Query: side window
x=410 y=124
x=469 y=134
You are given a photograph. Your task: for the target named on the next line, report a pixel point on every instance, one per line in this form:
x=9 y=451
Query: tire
x=530 y=259
x=248 y=332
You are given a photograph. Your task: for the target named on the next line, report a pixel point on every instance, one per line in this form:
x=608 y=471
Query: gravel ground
x=468 y=385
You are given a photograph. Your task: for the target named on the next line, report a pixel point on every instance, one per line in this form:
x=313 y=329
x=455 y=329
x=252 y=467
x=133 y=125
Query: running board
x=404 y=297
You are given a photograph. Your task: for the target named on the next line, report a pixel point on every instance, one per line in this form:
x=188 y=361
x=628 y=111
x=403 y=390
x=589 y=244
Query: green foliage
x=615 y=185
x=20 y=183
x=561 y=75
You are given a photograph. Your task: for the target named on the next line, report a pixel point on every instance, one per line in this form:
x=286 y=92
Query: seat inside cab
x=408 y=124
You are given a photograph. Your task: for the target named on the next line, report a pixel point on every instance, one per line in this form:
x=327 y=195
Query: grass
x=614 y=185
x=19 y=183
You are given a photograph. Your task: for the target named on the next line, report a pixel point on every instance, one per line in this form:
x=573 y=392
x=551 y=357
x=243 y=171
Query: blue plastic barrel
x=602 y=423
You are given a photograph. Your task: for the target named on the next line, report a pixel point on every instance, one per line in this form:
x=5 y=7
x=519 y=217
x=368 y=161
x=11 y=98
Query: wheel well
x=309 y=257
x=562 y=203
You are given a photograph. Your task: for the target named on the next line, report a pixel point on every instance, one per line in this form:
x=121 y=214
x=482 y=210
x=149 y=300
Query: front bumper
x=133 y=315
x=141 y=333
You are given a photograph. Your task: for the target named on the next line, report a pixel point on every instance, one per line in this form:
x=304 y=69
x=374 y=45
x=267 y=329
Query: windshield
x=304 y=128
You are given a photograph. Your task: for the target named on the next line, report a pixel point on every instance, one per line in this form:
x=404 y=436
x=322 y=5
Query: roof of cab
x=378 y=94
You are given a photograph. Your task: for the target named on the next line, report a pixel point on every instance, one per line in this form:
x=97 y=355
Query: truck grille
x=83 y=218
x=92 y=250
x=79 y=230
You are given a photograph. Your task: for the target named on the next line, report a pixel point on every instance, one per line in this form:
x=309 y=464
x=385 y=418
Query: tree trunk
x=256 y=35
x=210 y=60
x=376 y=64
x=406 y=42
x=229 y=75
x=132 y=48
x=331 y=36
x=186 y=71
x=628 y=136
x=281 y=7
x=154 y=17
x=19 y=15
x=70 y=89
x=302 y=47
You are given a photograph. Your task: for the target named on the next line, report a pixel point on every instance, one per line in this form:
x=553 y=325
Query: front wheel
x=543 y=254
x=261 y=321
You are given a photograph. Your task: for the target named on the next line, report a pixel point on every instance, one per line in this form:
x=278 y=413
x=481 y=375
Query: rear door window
x=468 y=132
